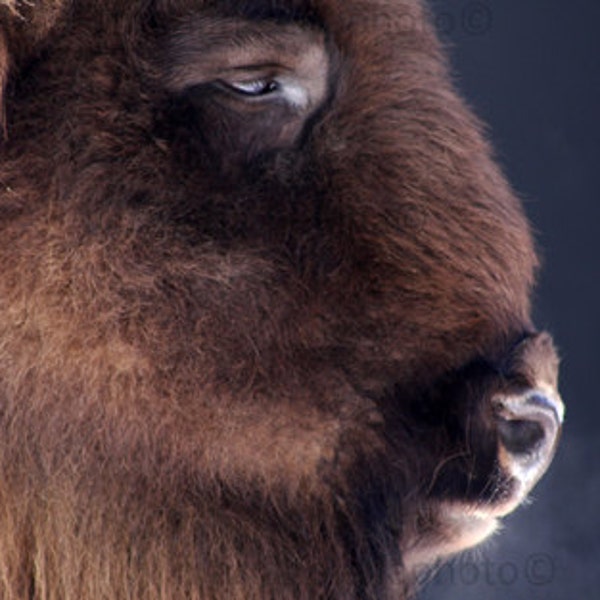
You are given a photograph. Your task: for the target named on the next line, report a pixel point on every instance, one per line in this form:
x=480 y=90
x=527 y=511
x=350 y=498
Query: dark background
x=531 y=70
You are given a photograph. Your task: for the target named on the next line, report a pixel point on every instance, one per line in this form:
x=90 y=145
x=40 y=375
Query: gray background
x=531 y=70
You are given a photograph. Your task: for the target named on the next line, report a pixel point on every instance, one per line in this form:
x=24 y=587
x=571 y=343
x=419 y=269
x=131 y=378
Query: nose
x=529 y=418
x=528 y=428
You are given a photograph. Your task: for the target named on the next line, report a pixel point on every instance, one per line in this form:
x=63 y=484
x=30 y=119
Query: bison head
x=264 y=304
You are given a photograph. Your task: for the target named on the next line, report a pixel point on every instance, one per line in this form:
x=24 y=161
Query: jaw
x=453 y=526
x=457 y=528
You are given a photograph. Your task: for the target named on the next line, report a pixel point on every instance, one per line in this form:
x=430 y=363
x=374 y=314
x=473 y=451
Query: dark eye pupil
x=271 y=86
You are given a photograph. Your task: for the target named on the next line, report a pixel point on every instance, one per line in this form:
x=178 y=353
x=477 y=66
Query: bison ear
x=24 y=28
x=4 y=69
x=8 y=14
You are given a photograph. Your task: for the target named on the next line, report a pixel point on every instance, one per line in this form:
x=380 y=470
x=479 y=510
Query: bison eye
x=240 y=89
x=288 y=87
x=254 y=88
x=253 y=63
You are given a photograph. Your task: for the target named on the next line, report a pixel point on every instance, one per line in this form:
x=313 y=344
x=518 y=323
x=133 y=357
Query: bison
x=264 y=304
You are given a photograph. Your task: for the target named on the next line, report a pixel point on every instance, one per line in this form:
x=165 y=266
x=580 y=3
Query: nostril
x=528 y=426
x=520 y=436
x=527 y=414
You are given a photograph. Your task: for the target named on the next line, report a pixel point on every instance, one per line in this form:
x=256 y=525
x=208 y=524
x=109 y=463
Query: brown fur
x=211 y=369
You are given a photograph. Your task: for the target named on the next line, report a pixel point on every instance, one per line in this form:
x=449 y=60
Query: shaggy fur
x=239 y=360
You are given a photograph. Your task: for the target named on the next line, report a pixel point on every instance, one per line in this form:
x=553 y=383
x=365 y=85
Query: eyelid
x=235 y=51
